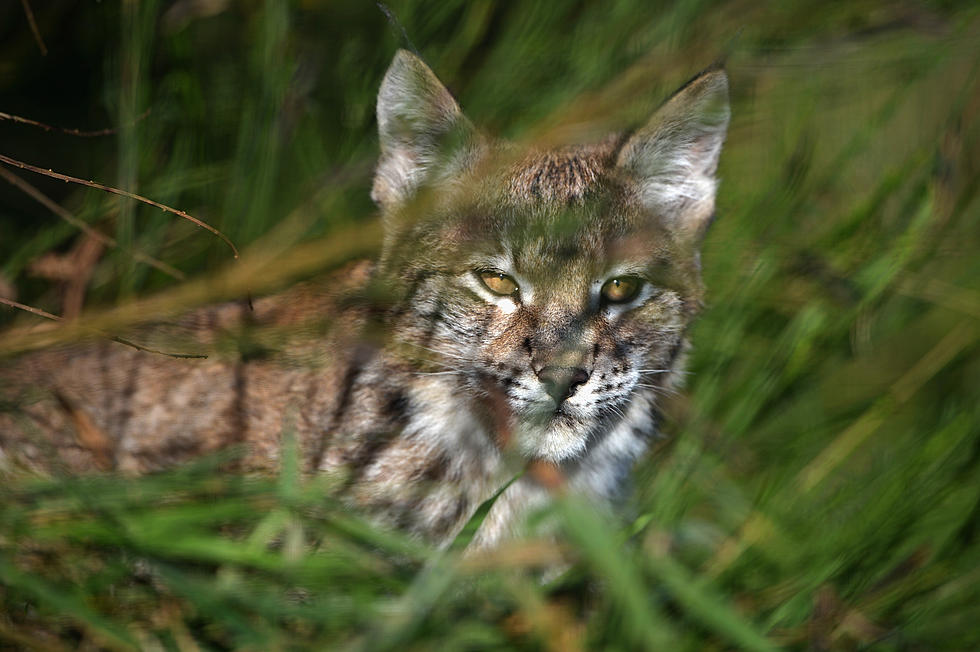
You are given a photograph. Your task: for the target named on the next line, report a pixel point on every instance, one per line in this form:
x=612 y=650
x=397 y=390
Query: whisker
x=664 y=371
x=446 y=354
x=620 y=413
x=614 y=409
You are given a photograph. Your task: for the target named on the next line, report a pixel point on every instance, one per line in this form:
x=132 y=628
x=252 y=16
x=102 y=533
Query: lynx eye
x=621 y=289
x=498 y=282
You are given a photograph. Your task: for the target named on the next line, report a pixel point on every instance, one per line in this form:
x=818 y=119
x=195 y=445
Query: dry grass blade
x=256 y=274
x=138 y=347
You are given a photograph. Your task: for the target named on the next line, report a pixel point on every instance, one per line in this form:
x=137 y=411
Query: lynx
x=528 y=308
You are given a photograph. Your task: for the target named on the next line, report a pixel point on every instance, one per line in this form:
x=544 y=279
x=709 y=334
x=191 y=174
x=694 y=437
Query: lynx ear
x=674 y=156
x=420 y=126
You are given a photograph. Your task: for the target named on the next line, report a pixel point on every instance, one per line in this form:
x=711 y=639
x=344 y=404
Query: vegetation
x=820 y=484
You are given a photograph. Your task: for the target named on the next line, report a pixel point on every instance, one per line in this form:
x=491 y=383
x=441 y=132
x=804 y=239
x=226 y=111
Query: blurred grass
x=820 y=488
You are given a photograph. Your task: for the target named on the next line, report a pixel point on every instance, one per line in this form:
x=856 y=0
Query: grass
x=820 y=485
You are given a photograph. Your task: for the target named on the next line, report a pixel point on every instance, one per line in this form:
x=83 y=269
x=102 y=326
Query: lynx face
x=554 y=287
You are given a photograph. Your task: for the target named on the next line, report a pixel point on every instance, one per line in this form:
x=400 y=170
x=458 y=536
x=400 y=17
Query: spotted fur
x=431 y=391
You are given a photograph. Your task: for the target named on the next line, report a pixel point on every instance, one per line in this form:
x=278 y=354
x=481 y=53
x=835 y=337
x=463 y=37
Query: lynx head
x=553 y=287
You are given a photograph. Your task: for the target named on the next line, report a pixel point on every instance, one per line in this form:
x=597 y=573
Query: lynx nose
x=561 y=382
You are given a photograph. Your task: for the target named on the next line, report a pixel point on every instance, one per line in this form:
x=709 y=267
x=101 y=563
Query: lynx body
x=533 y=306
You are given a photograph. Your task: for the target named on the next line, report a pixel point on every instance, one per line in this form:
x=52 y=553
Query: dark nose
x=561 y=382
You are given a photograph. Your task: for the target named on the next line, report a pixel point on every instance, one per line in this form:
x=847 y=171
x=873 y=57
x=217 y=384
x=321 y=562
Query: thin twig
x=58 y=210
x=34 y=29
x=138 y=347
x=124 y=193
x=30 y=309
x=71 y=132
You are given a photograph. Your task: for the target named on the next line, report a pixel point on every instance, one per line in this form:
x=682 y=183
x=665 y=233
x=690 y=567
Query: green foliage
x=820 y=485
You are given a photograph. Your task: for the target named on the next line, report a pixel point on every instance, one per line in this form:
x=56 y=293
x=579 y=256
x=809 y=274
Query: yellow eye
x=498 y=282
x=621 y=289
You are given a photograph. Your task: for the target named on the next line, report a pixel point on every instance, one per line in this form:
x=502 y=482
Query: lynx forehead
x=535 y=308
